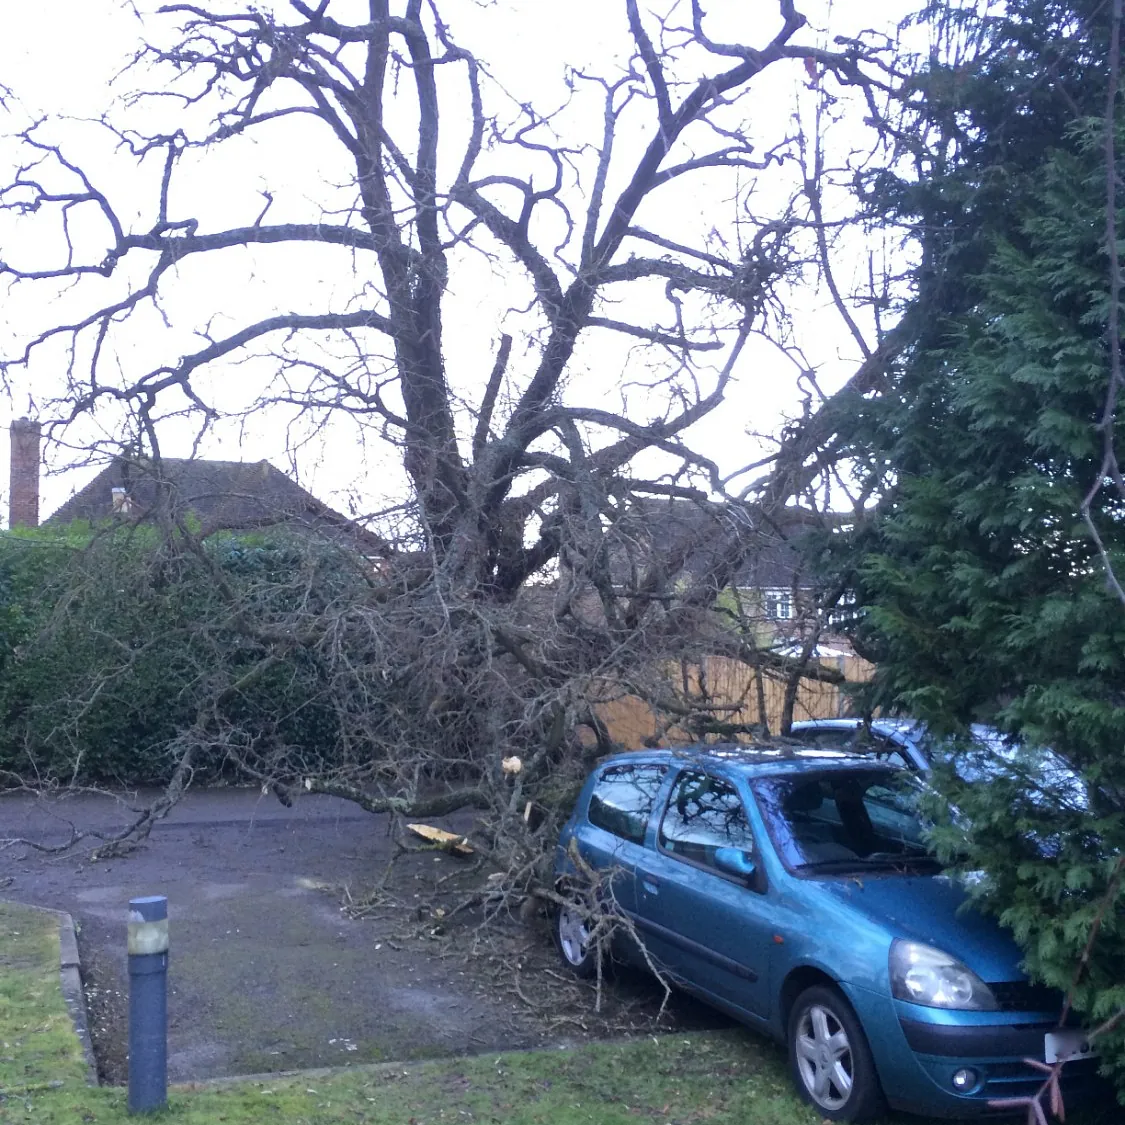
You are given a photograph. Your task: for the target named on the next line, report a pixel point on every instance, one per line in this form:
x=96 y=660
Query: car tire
x=830 y=1059
x=572 y=940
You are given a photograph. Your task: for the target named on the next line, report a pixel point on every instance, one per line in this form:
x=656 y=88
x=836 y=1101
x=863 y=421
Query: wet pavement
x=266 y=972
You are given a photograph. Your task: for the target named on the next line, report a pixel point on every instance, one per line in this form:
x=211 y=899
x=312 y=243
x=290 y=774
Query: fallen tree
x=519 y=576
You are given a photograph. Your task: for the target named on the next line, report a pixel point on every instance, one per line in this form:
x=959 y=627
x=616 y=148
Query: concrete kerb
x=70 y=981
x=392 y=1067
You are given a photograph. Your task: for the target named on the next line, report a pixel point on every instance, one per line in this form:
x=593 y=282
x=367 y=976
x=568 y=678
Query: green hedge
x=111 y=643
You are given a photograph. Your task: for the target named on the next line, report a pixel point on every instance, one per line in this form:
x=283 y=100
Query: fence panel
x=727 y=689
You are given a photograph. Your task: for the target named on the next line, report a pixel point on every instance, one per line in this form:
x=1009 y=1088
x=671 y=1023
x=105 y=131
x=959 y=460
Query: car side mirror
x=734 y=861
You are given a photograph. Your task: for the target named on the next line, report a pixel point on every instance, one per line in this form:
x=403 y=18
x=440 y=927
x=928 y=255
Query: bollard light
x=148 y=1003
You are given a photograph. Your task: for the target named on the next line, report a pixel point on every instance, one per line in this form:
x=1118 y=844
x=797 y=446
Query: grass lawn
x=722 y=1078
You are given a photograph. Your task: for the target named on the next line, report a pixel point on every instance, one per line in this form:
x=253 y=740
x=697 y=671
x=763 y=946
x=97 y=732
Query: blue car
x=793 y=889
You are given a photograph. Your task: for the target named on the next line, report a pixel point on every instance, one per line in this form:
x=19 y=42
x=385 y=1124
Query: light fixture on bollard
x=148 y=1003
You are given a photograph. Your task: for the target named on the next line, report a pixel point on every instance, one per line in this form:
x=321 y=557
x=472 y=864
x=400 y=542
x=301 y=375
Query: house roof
x=776 y=549
x=222 y=495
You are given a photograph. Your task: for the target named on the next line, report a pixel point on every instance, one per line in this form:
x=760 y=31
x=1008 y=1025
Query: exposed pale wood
x=448 y=841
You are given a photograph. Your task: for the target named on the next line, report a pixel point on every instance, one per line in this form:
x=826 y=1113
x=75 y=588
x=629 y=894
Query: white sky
x=528 y=43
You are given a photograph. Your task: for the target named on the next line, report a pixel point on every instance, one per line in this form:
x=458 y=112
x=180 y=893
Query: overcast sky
x=528 y=44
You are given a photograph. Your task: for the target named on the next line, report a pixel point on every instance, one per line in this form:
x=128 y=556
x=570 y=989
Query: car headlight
x=924 y=975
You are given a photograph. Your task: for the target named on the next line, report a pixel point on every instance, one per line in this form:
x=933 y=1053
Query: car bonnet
x=935 y=910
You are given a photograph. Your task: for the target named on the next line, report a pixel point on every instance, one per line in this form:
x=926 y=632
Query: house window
x=778 y=604
x=122 y=501
x=844 y=611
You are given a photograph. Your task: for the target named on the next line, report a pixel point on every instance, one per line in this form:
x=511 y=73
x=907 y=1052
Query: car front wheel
x=830 y=1059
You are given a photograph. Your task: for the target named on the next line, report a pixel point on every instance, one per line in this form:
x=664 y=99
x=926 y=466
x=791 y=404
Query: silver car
x=907 y=742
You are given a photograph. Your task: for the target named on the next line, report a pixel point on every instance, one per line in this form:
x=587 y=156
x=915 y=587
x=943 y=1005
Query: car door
x=611 y=839
x=709 y=929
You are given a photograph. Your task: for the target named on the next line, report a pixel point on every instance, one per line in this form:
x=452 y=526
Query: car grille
x=1023 y=996
x=1077 y=1081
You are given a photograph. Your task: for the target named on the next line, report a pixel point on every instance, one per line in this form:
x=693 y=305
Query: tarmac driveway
x=267 y=973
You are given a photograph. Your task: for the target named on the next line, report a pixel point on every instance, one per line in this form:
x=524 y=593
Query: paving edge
x=70 y=982
x=401 y=1067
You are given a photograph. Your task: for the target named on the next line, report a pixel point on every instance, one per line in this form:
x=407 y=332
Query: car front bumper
x=918 y=1050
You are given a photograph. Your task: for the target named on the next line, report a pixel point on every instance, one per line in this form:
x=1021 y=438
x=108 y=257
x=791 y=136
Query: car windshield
x=847 y=820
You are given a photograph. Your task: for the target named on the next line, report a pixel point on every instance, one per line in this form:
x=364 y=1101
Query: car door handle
x=650 y=884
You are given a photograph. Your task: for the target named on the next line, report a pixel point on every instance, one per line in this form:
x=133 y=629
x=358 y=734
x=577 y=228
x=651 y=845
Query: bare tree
x=520 y=585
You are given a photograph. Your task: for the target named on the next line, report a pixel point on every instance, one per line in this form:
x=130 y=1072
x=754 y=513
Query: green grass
x=718 y=1078
x=38 y=1045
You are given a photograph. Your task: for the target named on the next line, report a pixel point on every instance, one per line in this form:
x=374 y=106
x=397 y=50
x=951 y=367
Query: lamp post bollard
x=148 y=1003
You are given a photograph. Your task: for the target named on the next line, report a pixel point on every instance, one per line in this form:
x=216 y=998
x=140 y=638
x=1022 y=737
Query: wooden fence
x=726 y=690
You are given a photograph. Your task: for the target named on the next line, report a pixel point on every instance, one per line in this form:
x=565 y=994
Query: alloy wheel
x=824 y=1057
x=574 y=936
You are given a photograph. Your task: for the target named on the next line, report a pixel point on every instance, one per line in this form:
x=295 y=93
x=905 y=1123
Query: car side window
x=623 y=800
x=826 y=739
x=704 y=813
x=888 y=751
x=893 y=813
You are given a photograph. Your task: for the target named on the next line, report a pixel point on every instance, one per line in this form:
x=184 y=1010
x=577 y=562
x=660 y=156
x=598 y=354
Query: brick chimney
x=23 y=494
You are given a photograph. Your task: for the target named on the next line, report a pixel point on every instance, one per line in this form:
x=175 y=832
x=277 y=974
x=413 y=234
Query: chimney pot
x=23 y=488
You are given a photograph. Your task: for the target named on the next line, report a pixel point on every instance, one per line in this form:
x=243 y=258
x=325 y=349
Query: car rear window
x=623 y=799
